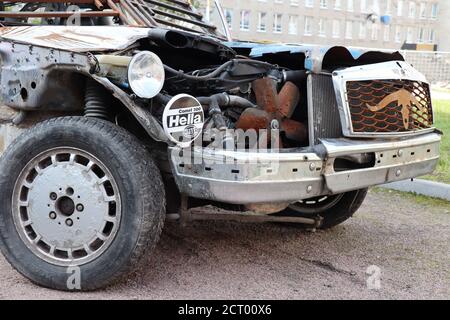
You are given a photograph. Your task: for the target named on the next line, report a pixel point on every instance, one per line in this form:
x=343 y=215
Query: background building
x=443 y=28
x=389 y=24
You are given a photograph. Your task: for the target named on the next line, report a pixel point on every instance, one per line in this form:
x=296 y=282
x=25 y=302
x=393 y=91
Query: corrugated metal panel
x=323 y=113
x=78 y=39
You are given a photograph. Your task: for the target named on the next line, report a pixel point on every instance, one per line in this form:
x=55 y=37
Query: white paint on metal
x=76 y=38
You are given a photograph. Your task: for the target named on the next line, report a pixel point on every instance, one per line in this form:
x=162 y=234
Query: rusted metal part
x=252 y=118
x=266 y=94
x=294 y=130
x=55 y=1
x=175 y=8
x=289 y=98
x=181 y=18
x=122 y=16
x=140 y=12
x=267 y=208
x=57 y=14
x=99 y=4
x=76 y=39
x=274 y=106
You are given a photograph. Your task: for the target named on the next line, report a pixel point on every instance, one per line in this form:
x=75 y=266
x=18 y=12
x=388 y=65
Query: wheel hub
x=67 y=206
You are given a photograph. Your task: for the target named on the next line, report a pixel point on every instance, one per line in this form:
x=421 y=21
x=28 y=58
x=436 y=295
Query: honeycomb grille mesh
x=383 y=106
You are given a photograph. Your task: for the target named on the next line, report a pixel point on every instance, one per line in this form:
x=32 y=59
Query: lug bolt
x=69 y=222
x=53 y=196
x=80 y=207
x=52 y=215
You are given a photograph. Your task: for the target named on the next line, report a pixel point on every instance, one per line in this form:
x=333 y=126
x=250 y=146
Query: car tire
x=103 y=214
x=331 y=210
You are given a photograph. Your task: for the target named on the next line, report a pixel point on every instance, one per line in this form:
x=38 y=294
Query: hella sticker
x=183 y=119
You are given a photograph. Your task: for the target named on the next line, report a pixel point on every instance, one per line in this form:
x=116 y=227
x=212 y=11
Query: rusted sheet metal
x=77 y=39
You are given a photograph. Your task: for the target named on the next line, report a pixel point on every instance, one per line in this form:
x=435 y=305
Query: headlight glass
x=146 y=74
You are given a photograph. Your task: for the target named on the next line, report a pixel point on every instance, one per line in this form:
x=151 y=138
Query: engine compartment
x=235 y=91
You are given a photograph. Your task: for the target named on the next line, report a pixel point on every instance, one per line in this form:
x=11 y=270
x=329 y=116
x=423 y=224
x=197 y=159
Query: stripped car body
x=40 y=62
x=346 y=119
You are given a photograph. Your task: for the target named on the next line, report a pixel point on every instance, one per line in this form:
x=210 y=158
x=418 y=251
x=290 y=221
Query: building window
x=348 y=29
x=387 y=33
x=245 y=20
x=434 y=10
x=400 y=8
x=398 y=34
x=293 y=24
x=376 y=6
x=294 y=2
x=228 y=13
x=337 y=4
x=374 y=35
x=322 y=27
x=350 y=5
x=364 y=6
x=409 y=35
x=323 y=4
x=308 y=26
x=421 y=36
x=309 y=3
x=388 y=7
x=362 y=30
x=336 y=28
x=431 y=36
x=262 y=23
x=423 y=10
x=412 y=9
x=277 y=23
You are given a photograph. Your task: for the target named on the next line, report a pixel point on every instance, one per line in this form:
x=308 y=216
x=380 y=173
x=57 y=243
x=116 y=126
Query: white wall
x=444 y=25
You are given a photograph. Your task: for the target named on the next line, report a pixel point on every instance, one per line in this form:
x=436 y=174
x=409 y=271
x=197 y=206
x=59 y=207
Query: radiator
x=323 y=114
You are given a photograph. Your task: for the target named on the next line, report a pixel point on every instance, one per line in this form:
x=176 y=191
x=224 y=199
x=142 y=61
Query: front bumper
x=246 y=177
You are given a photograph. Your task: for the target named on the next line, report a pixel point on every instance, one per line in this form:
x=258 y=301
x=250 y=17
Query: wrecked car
x=140 y=115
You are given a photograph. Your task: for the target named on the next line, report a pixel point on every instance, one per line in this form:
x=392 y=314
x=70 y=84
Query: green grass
x=442 y=122
x=443 y=90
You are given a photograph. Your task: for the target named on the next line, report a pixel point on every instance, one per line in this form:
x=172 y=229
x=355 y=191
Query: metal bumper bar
x=245 y=177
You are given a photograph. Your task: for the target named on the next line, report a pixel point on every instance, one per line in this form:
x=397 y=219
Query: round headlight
x=146 y=74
